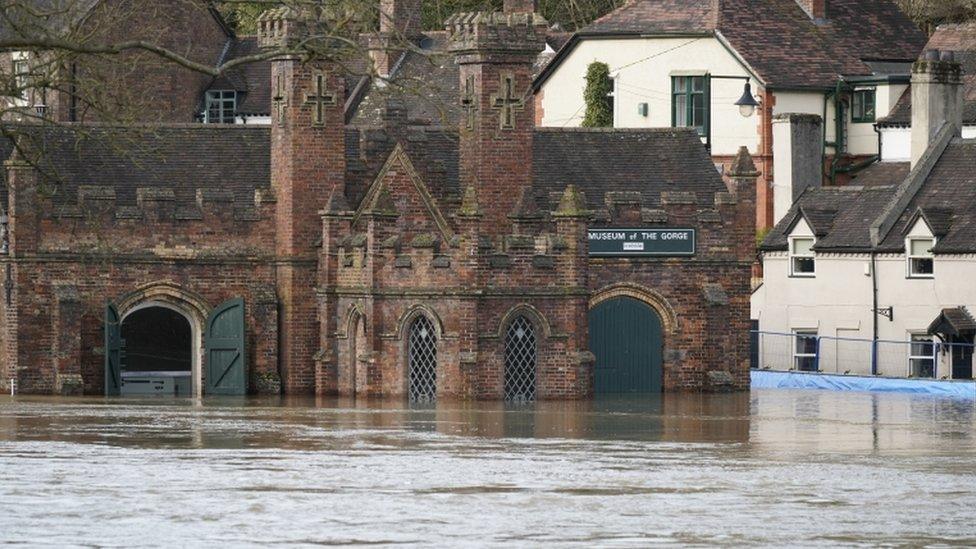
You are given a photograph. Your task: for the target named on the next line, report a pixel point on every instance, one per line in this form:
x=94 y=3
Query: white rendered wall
x=896 y=143
x=643 y=69
x=838 y=302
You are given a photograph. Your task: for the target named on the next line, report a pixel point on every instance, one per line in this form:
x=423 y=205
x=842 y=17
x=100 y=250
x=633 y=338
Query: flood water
x=769 y=468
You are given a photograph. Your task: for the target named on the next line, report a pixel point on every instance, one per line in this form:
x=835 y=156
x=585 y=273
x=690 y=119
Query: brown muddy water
x=777 y=468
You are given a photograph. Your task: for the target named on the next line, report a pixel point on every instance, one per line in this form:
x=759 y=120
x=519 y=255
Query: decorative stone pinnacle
x=572 y=203
x=497 y=31
x=743 y=165
x=469 y=203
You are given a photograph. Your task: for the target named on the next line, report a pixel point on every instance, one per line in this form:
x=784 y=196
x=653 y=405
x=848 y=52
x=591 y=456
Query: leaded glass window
x=520 y=361
x=422 y=356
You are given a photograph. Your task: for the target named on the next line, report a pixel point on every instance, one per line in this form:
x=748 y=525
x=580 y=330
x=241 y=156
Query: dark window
x=520 y=361
x=689 y=103
x=863 y=109
x=221 y=107
x=802 y=257
x=422 y=356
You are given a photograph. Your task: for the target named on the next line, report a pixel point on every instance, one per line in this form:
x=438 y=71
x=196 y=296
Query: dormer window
x=921 y=262
x=802 y=259
x=221 y=107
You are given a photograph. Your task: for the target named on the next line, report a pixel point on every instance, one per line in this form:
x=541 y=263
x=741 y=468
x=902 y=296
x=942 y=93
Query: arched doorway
x=627 y=339
x=158 y=352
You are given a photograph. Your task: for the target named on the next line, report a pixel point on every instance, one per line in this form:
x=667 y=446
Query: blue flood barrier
x=764 y=379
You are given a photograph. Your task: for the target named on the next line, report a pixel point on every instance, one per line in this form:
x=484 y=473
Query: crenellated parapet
x=478 y=32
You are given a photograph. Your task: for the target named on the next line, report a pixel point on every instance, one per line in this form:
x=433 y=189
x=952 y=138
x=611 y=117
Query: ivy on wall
x=599 y=103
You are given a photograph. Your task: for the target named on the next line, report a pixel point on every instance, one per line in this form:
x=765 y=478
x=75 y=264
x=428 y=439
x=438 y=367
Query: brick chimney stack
x=496 y=52
x=816 y=9
x=521 y=6
x=400 y=24
x=307 y=168
x=937 y=99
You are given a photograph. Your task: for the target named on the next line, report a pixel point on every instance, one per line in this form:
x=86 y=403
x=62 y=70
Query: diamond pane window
x=422 y=355
x=520 y=361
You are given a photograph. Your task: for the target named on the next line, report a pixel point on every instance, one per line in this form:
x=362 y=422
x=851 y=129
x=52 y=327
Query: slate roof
x=181 y=158
x=252 y=81
x=645 y=161
x=960 y=39
x=840 y=217
x=949 y=198
x=426 y=84
x=882 y=174
x=946 y=201
x=776 y=38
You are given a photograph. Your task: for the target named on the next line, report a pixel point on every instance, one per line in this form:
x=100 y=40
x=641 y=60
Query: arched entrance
x=626 y=337
x=158 y=351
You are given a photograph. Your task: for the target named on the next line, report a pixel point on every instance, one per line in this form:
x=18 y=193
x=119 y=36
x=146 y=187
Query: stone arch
x=355 y=312
x=669 y=319
x=190 y=305
x=528 y=311
x=407 y=318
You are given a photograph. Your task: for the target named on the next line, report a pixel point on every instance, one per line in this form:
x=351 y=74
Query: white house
x=878 y=278
x=686 y=63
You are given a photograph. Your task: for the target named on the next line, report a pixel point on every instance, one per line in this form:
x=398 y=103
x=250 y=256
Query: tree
x=599 y=102
x=929 y=14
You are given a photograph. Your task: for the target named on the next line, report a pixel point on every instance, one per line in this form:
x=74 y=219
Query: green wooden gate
x=226 y=361
x=113 y=351
x=625 y=336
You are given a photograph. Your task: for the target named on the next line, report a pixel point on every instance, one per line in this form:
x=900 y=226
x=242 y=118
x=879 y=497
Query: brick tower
x=307 y=168
x=495 y=52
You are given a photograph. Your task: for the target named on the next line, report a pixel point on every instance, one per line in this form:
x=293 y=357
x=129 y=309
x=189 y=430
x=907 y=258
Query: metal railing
x=807 y=352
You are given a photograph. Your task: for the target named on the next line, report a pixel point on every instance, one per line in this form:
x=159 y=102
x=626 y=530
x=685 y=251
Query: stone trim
x=528 y=311
x=656 y=301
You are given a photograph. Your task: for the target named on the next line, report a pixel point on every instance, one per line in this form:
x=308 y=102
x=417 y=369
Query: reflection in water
x=773 y=467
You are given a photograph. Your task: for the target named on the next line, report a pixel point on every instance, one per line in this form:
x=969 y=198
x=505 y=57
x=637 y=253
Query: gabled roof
x=944 y=196
x=840 y=218
x=776 y=38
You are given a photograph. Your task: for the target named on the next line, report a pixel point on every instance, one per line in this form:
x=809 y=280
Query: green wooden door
x=226 y=362
x=113 y=351
x=625 y=336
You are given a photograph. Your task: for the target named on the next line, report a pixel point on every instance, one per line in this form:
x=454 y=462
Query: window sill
x=794 y=275
x=920 y=277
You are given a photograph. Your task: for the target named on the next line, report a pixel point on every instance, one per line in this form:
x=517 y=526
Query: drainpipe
x=874 y=315
x=838 y=132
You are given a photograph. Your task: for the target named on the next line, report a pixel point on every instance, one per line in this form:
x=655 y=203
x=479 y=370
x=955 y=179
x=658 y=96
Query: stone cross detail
x=507 y=102
x=320 y=98
x=280 y=101
x=469 y=102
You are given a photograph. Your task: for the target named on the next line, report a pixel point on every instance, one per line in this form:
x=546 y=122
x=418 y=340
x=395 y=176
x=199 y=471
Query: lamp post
x=747 y=103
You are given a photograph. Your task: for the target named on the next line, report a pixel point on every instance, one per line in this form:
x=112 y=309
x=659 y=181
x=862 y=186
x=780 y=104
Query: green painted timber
x=626 y=337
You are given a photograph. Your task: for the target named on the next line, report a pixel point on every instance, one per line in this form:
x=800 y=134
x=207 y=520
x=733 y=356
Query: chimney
x=937 y=99
x=400 y=23
x=496 y=52
x=816 y=9
x=797 y=158
x=521 y=6
x=308 y=166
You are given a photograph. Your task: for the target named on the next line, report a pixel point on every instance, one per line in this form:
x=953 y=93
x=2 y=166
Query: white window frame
x=933 y=358
x=806 y=333
x=909 y=257
x=218 y=96
x=793 y=256
x=21 y=79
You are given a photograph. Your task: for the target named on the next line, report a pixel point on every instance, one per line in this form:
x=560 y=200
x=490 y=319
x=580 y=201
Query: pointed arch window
x=422 y=357
x=520 y=361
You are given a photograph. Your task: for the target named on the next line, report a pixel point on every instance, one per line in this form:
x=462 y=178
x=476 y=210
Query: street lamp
x=747 y=103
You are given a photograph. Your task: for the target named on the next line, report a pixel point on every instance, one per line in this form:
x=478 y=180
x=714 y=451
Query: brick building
x=488 y=260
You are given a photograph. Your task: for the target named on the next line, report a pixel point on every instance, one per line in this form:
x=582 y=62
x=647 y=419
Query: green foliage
x=599 y=105
x=761 y=235
x=243 y=17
